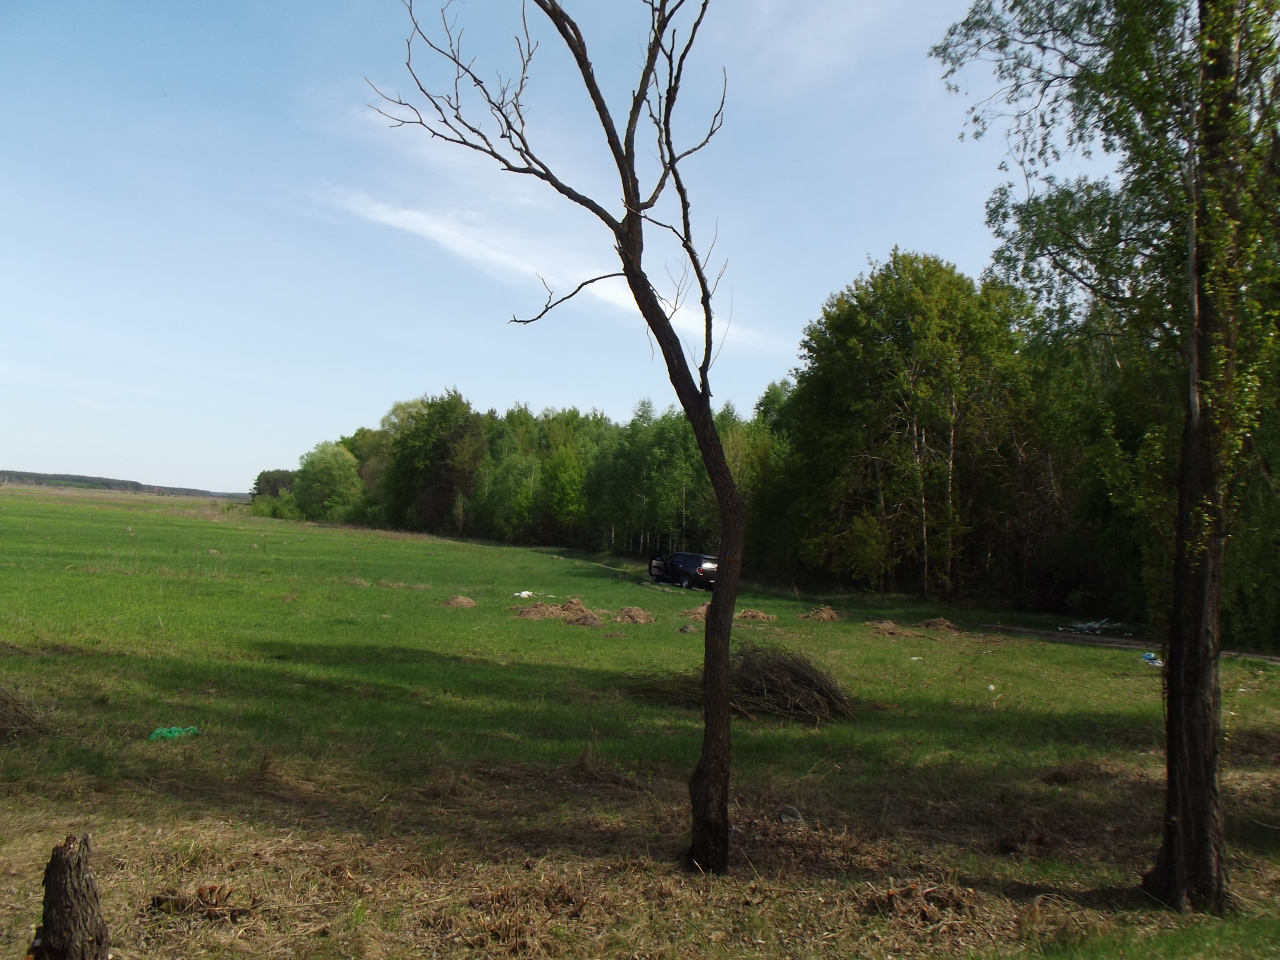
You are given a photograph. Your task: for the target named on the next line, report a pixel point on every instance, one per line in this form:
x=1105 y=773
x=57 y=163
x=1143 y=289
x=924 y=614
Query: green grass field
x=379 y=775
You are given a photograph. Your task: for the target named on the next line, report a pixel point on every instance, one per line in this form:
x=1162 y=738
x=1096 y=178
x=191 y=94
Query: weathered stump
x=72 y=926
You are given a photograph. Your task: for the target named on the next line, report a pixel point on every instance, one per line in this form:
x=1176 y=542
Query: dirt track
x=1097 y=640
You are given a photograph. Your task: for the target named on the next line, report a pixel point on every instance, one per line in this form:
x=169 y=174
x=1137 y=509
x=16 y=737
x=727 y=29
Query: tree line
x=942 y=436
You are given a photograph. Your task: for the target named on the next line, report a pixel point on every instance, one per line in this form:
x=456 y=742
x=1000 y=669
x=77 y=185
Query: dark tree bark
x=72 y=927
x=709 y=784
x=492 y=122
x=1190 y=871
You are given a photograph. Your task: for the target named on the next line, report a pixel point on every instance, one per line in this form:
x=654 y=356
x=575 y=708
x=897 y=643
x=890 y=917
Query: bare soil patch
x=749 y=614
x=459 y=602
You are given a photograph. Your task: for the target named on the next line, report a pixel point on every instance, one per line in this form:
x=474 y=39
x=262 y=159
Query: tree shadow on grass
x=535 y=760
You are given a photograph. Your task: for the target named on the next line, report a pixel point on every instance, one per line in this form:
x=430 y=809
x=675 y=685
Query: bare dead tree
x=490 y=118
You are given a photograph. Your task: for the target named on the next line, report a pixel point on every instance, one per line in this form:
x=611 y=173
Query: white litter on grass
x=991 y=687
x=917 y=658
x=523 y=594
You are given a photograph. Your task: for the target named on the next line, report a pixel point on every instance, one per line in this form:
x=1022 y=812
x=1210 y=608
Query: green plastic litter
x=172 y=733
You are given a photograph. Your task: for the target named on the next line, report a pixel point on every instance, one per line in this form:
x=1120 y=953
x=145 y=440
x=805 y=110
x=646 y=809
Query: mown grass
x=459 y=780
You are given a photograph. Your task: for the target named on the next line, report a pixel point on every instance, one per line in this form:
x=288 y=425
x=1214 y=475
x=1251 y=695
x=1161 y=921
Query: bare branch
x=553 y=302
x=446 y=120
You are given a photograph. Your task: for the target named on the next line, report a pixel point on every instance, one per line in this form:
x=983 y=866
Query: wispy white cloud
x=512 y=256
x=463 y=240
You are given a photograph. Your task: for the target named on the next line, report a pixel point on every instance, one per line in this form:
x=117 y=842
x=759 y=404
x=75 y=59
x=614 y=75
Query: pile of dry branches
x=19 y=716
x=762 y=679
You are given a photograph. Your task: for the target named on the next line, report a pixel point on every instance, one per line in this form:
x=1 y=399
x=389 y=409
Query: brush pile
x=762 y=679
x=19 y=716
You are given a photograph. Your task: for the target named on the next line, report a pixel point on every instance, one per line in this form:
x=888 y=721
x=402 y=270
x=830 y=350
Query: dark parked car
x=686 y=569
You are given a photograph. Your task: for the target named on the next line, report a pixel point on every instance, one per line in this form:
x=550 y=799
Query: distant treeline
x=105 y=483
x=939 y=436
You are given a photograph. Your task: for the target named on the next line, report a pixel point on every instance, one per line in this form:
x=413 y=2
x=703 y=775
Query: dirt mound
x=753 y=615
x=633 y=615
x=698 y=613
x=572 y=612
x=940 y=623
x=459 y=602
x=821 y=614
x=887 y=628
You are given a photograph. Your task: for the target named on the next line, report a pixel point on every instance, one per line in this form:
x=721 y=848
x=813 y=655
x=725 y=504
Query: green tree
x=328 y=483
x=1179 y=244
x=272 y=483
x=436 y=456
x=372 y=450
x=901 y=381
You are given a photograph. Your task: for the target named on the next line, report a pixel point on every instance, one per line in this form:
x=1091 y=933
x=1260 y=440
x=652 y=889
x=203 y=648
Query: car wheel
x=684 y=583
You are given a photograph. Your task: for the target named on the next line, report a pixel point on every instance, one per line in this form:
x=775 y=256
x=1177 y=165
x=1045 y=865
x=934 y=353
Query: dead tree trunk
x=503 y=137
x=709 y=784
x=72 y=927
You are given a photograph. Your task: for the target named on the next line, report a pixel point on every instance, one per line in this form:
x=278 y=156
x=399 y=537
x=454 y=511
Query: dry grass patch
x=820 y=614
x=573 y=612
x=887 y=628
x=633 y=615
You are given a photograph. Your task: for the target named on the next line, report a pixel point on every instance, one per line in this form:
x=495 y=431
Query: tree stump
x=72 y=927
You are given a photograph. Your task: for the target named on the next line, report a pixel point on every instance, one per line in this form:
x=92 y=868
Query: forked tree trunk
x=72 y=927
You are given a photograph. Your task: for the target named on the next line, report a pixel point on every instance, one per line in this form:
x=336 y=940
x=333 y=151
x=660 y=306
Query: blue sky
x=214 y=255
